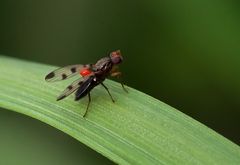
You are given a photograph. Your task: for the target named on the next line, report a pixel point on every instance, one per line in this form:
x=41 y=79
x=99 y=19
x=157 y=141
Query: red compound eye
x=116 y=53
x=85 y=72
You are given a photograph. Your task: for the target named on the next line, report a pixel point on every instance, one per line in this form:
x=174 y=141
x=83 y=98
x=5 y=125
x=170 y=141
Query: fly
x=91 y=76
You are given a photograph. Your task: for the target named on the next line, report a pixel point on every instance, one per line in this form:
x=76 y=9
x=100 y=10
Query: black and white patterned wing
x=64 y=72
x=70 y=89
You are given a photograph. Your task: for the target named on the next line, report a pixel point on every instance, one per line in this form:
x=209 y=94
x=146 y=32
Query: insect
x=91 y=76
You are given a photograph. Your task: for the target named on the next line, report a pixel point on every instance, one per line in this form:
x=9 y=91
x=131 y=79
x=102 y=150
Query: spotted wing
x=64 y=73
x=70 y=89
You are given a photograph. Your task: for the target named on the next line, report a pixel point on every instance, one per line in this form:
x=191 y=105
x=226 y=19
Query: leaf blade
x=137 y=129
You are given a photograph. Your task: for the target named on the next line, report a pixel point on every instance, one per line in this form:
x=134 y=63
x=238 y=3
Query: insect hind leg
x=89 y=101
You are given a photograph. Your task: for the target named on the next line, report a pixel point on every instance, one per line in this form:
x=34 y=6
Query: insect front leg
x=119 y=75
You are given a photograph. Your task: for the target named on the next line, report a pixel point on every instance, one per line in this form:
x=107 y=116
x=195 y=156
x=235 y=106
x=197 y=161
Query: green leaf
x=136 y=129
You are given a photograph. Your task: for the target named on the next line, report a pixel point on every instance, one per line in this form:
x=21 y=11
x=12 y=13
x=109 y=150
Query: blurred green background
x=185 y=53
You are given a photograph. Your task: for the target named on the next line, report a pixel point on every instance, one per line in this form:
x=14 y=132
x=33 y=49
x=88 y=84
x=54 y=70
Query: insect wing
x=85 y=87
x=70 y=89
x=64 y=73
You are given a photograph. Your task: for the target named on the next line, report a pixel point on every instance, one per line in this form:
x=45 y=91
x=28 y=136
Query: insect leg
x=119 y=75
x=89 y=100
x=108 y=92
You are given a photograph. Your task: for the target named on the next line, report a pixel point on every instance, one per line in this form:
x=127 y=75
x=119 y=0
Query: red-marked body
x=85 y=72
x=92 y=75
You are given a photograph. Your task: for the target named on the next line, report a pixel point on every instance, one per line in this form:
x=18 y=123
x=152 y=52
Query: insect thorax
x=104 y=65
